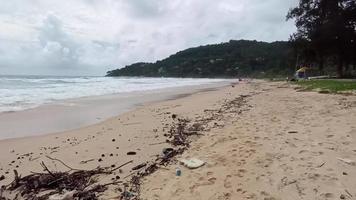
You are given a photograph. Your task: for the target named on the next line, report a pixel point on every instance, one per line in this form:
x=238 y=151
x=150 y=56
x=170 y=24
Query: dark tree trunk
x=340 y=72
x=354 y=61
x=347 y=67
x=321 y=65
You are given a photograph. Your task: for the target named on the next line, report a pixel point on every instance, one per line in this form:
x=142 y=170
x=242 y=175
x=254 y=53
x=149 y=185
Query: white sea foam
x=20 y=92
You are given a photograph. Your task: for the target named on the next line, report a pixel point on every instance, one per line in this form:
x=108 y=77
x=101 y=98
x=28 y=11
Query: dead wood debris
x=29 y=187
x=179 y=137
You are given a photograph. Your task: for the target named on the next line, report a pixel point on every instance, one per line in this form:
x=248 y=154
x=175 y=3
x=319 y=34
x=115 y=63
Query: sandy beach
x=260 y=140
x=288 y=145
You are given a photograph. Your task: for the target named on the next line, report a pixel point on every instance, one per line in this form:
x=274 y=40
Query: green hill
x=235 y=58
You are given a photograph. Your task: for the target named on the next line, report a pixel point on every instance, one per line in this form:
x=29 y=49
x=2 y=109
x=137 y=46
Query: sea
x=25 y=92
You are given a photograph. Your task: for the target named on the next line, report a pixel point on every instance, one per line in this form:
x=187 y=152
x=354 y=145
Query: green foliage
x=328 y=85
x=240 y=58
x=326 y=33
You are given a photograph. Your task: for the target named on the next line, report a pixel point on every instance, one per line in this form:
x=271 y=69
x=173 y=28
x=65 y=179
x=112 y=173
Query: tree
x=329 y=27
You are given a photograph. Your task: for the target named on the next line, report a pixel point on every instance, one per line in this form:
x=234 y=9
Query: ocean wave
x=19 y=93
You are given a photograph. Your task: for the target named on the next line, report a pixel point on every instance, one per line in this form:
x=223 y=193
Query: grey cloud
x=88 y=36
x=56 y=44
x=144 y=8
x=106 y=44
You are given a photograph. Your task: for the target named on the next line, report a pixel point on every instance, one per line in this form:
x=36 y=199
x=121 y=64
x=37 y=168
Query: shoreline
x=259 y=140
x=107 y=143
x=73 y=114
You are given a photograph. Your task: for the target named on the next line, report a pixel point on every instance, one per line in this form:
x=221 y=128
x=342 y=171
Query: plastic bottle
x=178 y=172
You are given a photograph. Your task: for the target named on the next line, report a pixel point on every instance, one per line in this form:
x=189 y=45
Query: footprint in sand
x=303 y=151
x=211 y=181
x=290 y=144
x=241 y=173
x=266 y=138
x=267 y=196
x=223 y=196
x=328 y=195
x=178 y=191
x=227 y=183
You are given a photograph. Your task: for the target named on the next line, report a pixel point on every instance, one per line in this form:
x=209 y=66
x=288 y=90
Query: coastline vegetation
x=333 y=86
x=236 y=58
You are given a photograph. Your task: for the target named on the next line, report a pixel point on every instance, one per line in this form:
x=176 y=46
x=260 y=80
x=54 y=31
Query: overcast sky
x=89 y=37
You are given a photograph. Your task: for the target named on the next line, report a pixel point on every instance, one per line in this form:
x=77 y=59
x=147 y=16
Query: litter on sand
x=65 y=196
x=192 y=163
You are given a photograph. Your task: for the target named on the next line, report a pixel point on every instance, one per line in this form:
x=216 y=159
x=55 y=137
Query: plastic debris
x=192 y=163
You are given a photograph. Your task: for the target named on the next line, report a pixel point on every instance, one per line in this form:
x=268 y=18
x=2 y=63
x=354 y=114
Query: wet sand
x=77 y=113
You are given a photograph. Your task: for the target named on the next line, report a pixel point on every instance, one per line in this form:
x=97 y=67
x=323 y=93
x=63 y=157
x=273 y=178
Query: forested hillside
x=240 y=58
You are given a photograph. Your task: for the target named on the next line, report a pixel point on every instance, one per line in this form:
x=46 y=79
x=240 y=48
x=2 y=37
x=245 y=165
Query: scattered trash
x=127 y=194
x=347 y=161
x=192 y=163
x=66 y=196
x=166 y=151
x=178 y=172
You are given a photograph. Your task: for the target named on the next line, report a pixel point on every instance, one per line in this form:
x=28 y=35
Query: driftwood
x=55 y=159
x=76 y=180
x=121 y=166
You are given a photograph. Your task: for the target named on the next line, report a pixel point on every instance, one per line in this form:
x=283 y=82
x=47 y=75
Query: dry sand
x=278 y=144
x=287 y=146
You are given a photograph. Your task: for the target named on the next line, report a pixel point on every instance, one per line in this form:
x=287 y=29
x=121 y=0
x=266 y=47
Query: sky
x=90 y=37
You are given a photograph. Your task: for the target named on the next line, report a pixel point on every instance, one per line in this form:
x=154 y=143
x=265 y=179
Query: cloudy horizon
x=90 y=37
